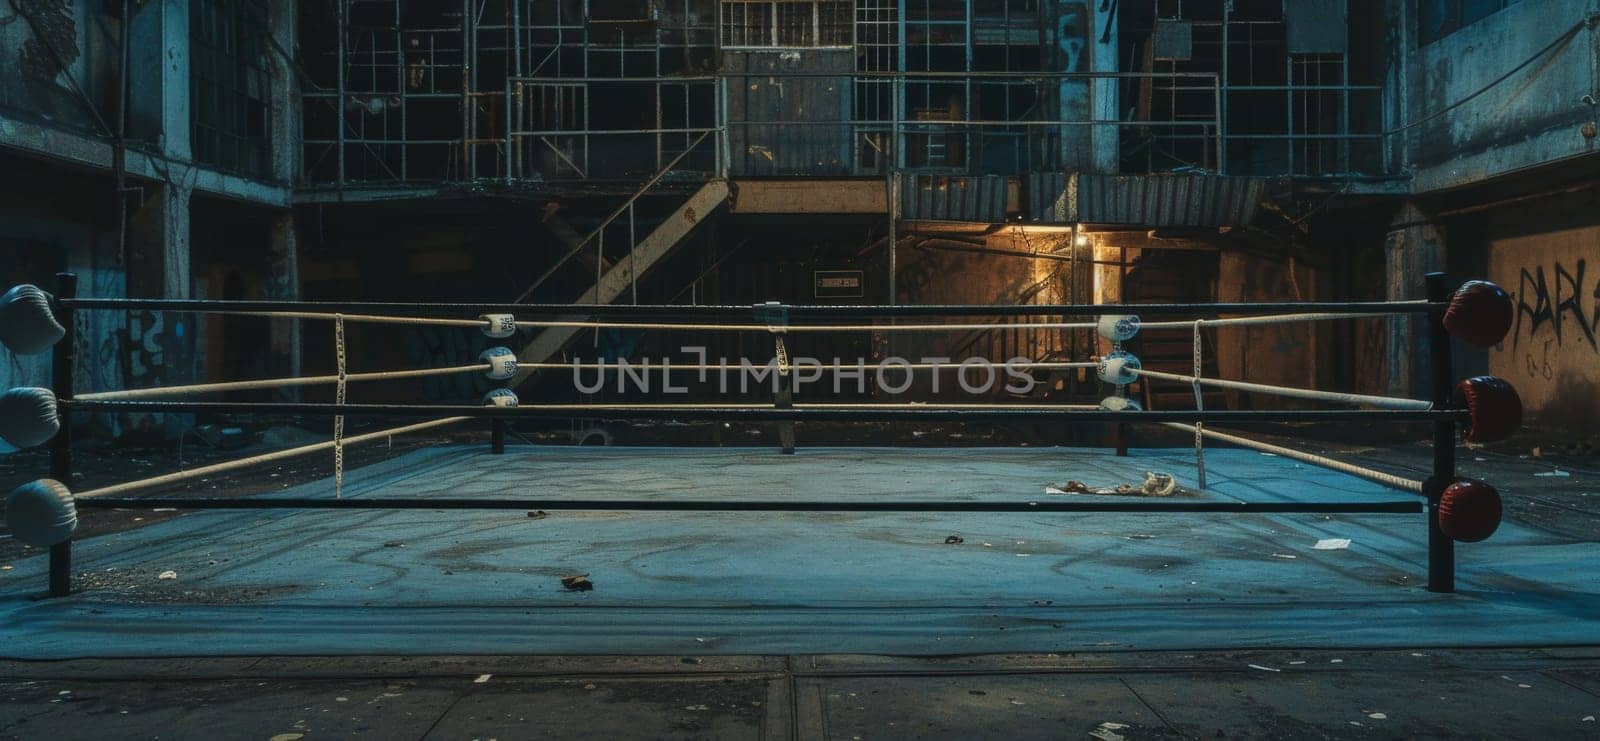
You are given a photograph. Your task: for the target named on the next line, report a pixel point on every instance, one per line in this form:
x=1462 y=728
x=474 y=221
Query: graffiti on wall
x=144 y=348
x=1555 y=308
x=1072 y=34
x=1554 y=303
x=54 y=45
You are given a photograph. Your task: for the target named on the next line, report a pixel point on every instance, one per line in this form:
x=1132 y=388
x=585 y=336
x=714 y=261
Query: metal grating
x=1148 y=200
x=953 y=198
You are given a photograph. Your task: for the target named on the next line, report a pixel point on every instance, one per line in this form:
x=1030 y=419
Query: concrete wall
x=59 y=196
x=1280 y=354
x=41 y=234
x=1552 y=355
x=1534 y=117
x=50 y=51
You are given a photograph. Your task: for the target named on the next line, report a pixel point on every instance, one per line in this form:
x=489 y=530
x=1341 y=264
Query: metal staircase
x=619 y=276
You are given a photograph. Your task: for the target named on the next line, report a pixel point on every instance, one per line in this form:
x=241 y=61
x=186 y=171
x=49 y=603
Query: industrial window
x=786 y=23
x=230 y=79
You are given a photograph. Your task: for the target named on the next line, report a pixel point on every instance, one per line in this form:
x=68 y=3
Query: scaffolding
x=407 y=92
x=1289 y=108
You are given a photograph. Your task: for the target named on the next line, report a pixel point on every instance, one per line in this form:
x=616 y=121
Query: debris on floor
x=1331 y=544
x=1557 y=473
x=1107 y=731
x=578 y=583
x=167 y=575
x=537 y=514
x=954 y=540
x=1159 y=484
x=1155 y=484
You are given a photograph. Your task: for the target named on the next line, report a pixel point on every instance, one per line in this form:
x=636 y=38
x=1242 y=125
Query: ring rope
x=1246 y=321
x=338 y=420
x=828 y=367
x=277 y=383
x=1382 y=402
x=263 y=458
x=274 y=383
x=1379 y=477
x=577 y=324
x=688 y=406
x=781 y=329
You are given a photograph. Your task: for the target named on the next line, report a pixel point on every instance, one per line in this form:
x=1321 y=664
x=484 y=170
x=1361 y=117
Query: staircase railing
x=598 y=233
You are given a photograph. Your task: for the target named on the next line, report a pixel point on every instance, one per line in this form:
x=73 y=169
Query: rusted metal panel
x=809 y=196
x=953 y=198
x=780 y=124
x=1173 y=40
x=1316 y=26
x=1145 y=200
x=1052 y=197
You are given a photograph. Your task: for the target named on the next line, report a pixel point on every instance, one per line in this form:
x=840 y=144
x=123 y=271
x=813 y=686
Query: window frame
x=773 y=31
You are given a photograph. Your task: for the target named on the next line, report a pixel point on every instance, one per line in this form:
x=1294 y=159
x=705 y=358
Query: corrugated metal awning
x=1143 y=200
x=953 y=198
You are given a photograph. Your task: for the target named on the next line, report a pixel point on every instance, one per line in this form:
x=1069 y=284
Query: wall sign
x=838 y=284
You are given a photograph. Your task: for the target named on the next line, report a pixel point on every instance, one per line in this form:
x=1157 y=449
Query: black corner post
x=1441 y=549
x=497 y=436
x=63 y=361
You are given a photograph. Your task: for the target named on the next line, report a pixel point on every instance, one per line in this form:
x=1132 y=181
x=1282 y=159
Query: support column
x=284 y=284
x=160 y=345
x=1413 y=247
x=284 y=114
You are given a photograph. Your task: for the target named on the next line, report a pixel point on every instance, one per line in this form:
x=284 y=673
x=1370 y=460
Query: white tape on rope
x=502 y=363
x=1118 y=368
x=501 y=398
x=1118 y=327
x=1199 y=405
x=339 y=398
x=499 y=326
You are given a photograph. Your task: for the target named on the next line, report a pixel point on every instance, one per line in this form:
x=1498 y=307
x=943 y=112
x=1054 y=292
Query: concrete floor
x=1545 y=694
x=251 y=583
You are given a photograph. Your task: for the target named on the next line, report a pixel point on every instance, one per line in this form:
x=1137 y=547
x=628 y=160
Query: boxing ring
x=815 y=481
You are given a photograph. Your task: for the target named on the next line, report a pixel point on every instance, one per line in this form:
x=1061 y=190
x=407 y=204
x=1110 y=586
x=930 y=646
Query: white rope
x=1379 y=477
x=225 y=467
x=365 y=318
x=338 y=398
x=275 y=383
x=734 y=367
x=1245 y=321
x=798 y=328
x=1340 y=397
x=575 y=324
x=670 y=407
x=1199 y=406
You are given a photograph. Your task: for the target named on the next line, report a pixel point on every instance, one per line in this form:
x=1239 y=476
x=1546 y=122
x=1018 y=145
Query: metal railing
x=870 y=123
x=800 y=124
